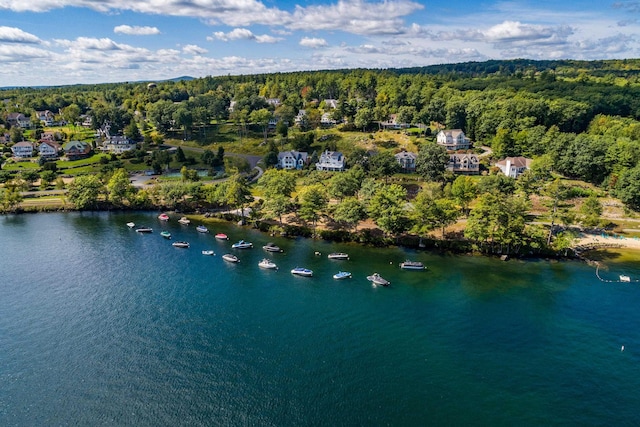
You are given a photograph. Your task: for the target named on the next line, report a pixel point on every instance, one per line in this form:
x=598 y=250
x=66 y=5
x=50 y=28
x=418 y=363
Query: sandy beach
x=596 y=241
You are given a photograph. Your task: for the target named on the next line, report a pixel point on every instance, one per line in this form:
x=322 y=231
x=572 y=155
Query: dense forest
x=578 y=120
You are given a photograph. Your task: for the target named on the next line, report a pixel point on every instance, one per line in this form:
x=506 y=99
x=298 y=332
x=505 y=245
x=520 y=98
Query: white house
x=407 y=161
x=331 y=103
x=23 y=149
x=514 y=166
x=46 y=117
x=301 y=117
x=327 y=120
x=292 y=159
x=118 y=144
x=49 y=149
x=453 y=139
x=465 y=164
x=331 y=161
x=19 y=119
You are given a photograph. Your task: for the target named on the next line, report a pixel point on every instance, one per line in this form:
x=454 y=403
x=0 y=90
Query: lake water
x=100 y=325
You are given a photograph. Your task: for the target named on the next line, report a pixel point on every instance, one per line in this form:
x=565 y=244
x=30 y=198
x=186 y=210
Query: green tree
x=10 y=198
x=387 y=209
x=261 y=117
x=313 y=203
x=349 y=212
x=132 y=132
x=430 y=213
x=276 y=182
x=383 y=165
x=276 y=206
x=16 y=134
x=46 y=178
x=119 y=187
x=432 y=161
x=71 y=114
x=364 y=117
x=627 y=188
x=464 y=190
x=84 y=191
x=591 y=210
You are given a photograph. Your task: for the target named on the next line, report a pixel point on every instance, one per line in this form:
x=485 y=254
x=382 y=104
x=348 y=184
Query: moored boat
x=377 y=279
x=165 y=234
x=342 y=275
x=624 y=278
x=184 y=220
x=242 y=245
x=202 y=229
x=268 y=264
x=163 y=217
x=144 y=230
x=272 y=247
x=230 y=258
x=412 y=265
x=222 y=236
x=131 y=224
x=338 y=255
x=181 y=244
x=299 y=271
x=208 y=252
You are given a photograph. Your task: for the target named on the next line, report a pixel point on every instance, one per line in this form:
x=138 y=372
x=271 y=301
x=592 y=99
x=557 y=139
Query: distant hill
x=175 y=79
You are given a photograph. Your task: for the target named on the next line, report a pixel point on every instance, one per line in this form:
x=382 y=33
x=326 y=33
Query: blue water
x=100 y=325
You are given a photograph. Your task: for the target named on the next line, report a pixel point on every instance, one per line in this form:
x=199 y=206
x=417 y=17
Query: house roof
x=23 y=144
x=452 y=132
x=51 y=144
x=76 y=145
x=406 y=155
x=519 y=162
x=295 y=154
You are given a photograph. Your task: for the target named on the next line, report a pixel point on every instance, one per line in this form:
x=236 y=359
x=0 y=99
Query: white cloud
x=16 y=35
x=243 y=34
x=136 y=31
x=10 y=53
x=192 y=49
x=313 y=42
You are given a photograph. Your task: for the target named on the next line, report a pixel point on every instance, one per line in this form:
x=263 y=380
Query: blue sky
x=56 y=42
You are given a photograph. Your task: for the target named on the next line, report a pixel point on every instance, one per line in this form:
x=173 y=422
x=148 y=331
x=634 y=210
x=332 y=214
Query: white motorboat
x=412 y=265
x=268 y=264
x=299 y=271
x=342 y=275
x=230 y=258
x=338 y=255
x=144 y=230
x=131 y=224
x=272 y=247
x=202 y=229
x=184 y=220
x=624 y=278
x=209 y=252
x=242 y=245
x=181 y=244
x=377 y=279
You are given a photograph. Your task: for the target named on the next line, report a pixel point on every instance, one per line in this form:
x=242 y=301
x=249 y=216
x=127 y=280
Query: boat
x=131 y=224
x=208 y=252
x=165 y=234
x=202 y=229
x=412 y=265
x=242 y=245
x=144 y=230
x=222 y=236
x=184 y=220
x=163 y=217
x=342 y=275
x=181 y=244
x=268 y=264
x=299 y=271
x=272 y=247
x=624 y=278
x=230 y=258
x=378 y=280
x=338 y=255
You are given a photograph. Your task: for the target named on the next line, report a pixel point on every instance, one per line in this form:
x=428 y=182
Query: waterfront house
x=464 y=164
x=49 y=149
x=23 y=149
x=331 y=161
x=514 y=166
x=46 y=117
x=118 y=144
x=407 y=161
x=292 y=159
x=453 y=139
x=75 y=150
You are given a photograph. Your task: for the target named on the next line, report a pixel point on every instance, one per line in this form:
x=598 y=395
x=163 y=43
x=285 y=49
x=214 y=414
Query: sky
x=60 y=42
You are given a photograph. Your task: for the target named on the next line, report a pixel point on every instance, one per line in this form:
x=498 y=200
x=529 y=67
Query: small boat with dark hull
x=230 y=258
x=242 y=245
x=272 y=247
x=338 y=255
x=144 y=230
x=202 y=229
x=208 y=252
x=412 y=265
x=299 y=271
x=377 y=279
x=181 y=244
